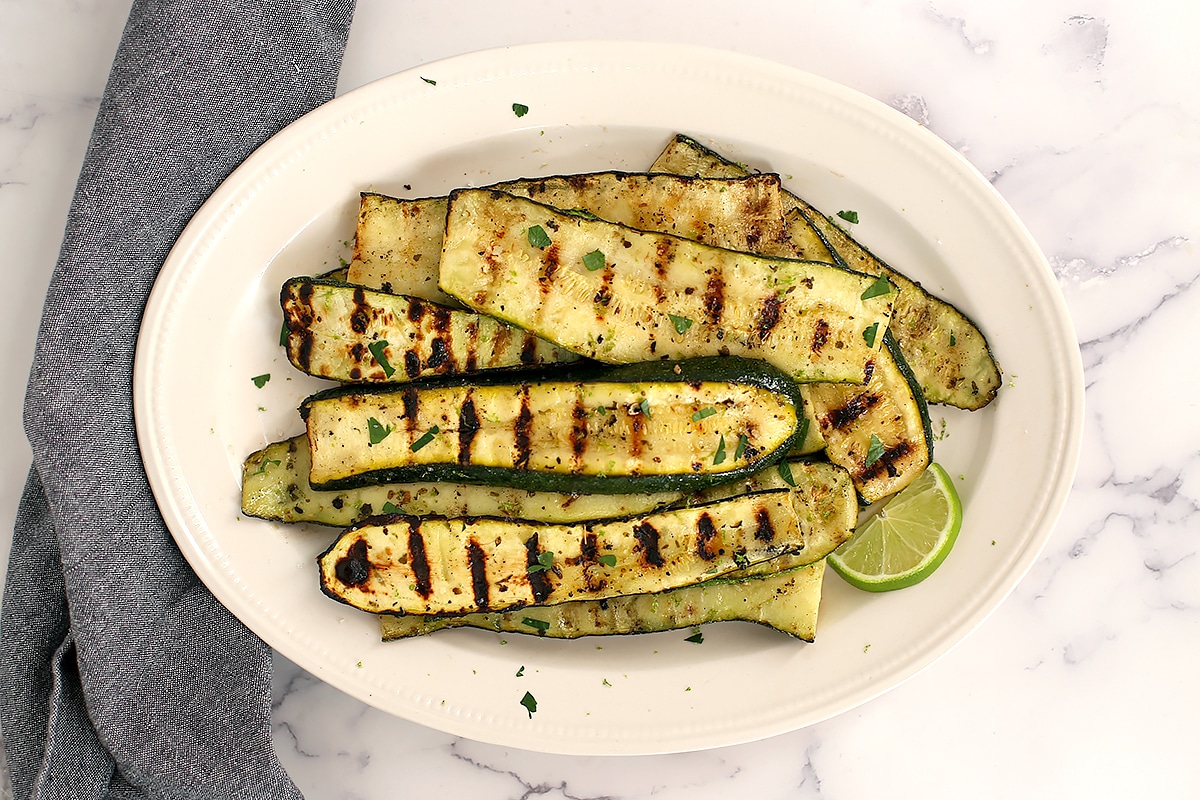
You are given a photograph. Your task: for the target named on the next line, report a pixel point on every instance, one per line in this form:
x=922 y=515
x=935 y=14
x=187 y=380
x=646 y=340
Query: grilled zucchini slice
x=783 y=593
x=351 y=334
x=620 y=295
x=948 y=354
x=879 y=432
x=430 y=565
x=275 y=487
x=655 y=426
x=399 y=242
x=787 y=602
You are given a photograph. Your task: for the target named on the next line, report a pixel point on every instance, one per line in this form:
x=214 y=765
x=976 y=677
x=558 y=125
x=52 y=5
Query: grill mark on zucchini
x=480 y=588
x=423 y=584
x=411 y=402
x=468 y=426
x=412 y=363
x=820 y=336
x=714 y=299
x=768 y=317
x=360 y=317
x=354 y=569
x=647 y=537
x=706 y=532
x=521 y=431
x=845 y=415
x=763 y=530
x=539 y=579
x=579 y=429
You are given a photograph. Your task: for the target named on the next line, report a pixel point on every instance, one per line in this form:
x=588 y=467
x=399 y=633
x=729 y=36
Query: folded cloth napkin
x=122 y=676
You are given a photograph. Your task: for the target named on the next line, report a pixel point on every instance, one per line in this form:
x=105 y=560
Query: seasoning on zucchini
x=655 y=426
x=783 y=593
x=946 y=351
x=275 y=487
x=351 y=334
x=398 y=242
x=787 y=602
x=432 y=565
x=879 y=432
x=659 y=296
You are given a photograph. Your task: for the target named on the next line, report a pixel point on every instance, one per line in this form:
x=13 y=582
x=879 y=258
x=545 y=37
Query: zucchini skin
x=433 y=566
x=946 y=351
x=351 y=334
x=654 y=295
x=783 y=593
x=275 y=487
x=778 y=399
x=787 y=602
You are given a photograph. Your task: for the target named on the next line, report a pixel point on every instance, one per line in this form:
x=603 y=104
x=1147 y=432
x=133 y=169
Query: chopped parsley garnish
x=530 y=703
x=376 y=432
x=283 y=334
x=953 y=339
x=719 y=456
x=742 y=560
x=702 y=413
x=849 y=216
x=430 y=81
x=877 y=289
x=377 y=349
x=608 y=560
x=870 y=333
x=425 y=439
x=537 y=624
x=741 y=447
x=594 y=260
x=261 y=380
x=696 y=638
x=538 y=237
x=544 y=562
x=520 y=109
x=645 y=406
x=681 y=323
x=785 y=472
x=391 y=508
x=521 y=672
x=874 y=451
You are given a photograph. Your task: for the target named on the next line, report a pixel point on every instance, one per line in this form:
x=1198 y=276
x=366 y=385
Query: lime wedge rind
x=907 y=539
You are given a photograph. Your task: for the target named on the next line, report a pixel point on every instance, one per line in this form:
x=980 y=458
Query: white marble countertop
x=1086 y=117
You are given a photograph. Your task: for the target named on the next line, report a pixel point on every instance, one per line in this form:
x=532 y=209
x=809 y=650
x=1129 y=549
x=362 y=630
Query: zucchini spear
x=946 y=351
x=433 y=566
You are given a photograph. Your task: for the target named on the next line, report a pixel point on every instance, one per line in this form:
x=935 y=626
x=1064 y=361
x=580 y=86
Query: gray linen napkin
x=122 y=676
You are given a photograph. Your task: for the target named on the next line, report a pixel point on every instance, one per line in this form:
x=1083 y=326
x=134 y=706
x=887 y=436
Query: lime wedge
x=907 y=539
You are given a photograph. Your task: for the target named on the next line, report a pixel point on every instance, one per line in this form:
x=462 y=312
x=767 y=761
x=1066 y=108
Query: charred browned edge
x=647 y=537
x=354 y=568
x=468 y=426
x=706 y=532
x=820 y=335
x=764 y=530
x=589 y=548
x=886 y=462
x=522 y=430
x=539 y=579
x=477 y=560
x=850 y=411
x=419 y=561
x=360 y=317
x=412 y=363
